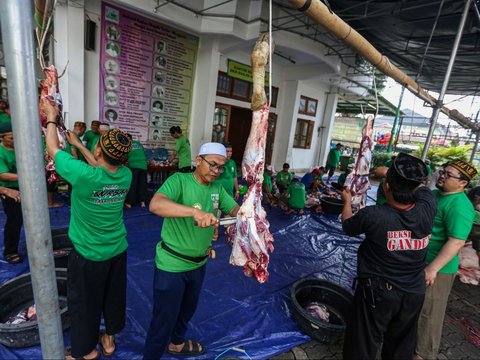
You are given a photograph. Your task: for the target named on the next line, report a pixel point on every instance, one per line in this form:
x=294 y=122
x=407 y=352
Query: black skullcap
x=116 y=144
x=407 y=172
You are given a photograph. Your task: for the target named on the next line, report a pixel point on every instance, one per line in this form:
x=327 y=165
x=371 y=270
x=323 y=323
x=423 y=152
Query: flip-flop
x=13 y=258
x=104 y=352
x=55 y=205
x=190 y=347
x=68 y=354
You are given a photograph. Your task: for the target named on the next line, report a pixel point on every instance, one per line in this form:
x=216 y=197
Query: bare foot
x=128 y=206
x=142 y=204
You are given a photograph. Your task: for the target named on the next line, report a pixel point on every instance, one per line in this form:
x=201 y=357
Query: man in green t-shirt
x=189 y=203
x=137 y=163
x=451 y=228
x=91 y=135
x=4 y=115
x=267 y=186
x=182 y=150
x=229 y=178
x=296 y=197
x=283 y=178
x=11 y=204
x=332 y=160
x=97 y=265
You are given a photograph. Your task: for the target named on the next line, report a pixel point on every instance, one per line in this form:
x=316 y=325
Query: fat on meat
x=50 y=92
x=469 y=270
x=250 y=237
x=357 y=181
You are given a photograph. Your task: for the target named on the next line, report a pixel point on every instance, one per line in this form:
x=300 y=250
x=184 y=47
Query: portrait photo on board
x=111 y=115
x=157 y=106
x=112 y=32
x=111 y=82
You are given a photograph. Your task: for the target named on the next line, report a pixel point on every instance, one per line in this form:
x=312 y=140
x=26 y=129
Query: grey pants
x=430 y=322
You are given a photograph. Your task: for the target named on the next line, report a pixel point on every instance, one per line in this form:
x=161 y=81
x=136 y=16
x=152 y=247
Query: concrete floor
x=461 y=331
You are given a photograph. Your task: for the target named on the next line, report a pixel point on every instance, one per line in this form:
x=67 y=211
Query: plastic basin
x=61 y=247
x=17 y=295
x=337 y=300
x=331 y=205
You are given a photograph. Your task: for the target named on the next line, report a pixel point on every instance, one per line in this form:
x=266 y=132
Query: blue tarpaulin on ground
x=234 y=311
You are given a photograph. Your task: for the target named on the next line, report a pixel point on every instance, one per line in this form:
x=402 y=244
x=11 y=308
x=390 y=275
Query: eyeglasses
x=214 y=167
x=448 y=175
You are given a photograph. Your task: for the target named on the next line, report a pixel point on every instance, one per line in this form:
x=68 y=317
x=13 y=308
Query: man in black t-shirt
x=391 y=260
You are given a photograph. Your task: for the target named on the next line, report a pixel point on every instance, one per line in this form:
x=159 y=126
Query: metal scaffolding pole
x=439 y=103
x=16 y=18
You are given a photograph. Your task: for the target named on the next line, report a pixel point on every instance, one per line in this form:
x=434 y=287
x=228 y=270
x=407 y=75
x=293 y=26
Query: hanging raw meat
x=357 y=181
x=250 y=237
x=50 y=92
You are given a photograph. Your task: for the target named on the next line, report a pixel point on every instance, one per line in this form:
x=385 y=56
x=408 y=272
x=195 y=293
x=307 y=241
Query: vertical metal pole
x=17 y=32
x=475 y=147
x=474 y=150
x=397 y=114
x=439 y=103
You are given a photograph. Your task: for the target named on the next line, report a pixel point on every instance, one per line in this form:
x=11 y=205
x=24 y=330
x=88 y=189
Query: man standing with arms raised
x=97 y=265
x=451 y=228
x=188 y=202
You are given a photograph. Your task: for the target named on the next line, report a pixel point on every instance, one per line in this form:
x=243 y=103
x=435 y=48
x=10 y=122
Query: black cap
x=407 y=172
x=286 y=165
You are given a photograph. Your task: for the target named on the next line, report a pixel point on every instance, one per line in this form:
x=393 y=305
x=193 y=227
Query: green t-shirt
x=96 y=227
x=137 y=159
x=342 y=178
x=455 y=215
x=283 y=178
x=89 y=137
x=180 y=234
x=8 y=164
x=182 y=147
x=267 y=179
x=4 y=117
x=297 y=195
x=381 y=199
x=79 y=154
x=94 y=143
x=227 y=178
x=334 y=157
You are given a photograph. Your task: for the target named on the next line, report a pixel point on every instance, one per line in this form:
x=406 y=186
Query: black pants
x=93 y=288
x=138 y=189
x=13 y=226
x=382 y=312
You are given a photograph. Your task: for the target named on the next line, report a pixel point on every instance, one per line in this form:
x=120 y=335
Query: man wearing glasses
x=451 y=228
x=188 y=202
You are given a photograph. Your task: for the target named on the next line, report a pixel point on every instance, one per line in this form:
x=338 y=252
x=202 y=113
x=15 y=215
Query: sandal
x=190 y=347
x=104 y=352
x=13 y=258
x=68 y=355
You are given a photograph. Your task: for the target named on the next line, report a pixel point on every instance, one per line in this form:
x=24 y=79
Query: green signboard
x=242 y=71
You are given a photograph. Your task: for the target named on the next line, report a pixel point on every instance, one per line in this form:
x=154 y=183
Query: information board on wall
x=146 y=75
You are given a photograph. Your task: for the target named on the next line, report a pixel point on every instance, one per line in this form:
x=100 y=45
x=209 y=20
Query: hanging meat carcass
x=51 y=93
x=49 y=88
x=250 y=237
x=357 y=181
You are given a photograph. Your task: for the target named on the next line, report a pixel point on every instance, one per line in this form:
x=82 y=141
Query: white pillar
x=286 y=123
x=204 y=94
x=327 y=127
x=69 y=44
